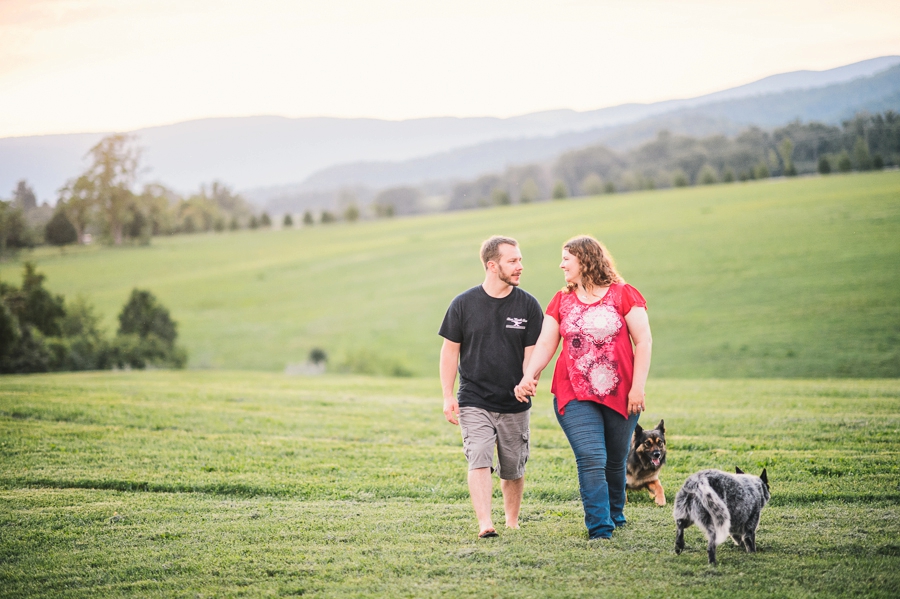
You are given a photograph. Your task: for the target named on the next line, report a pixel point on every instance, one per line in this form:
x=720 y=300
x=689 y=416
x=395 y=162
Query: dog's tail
x=714 y=516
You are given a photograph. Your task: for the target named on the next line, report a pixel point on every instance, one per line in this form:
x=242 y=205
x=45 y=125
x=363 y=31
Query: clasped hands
x=526 y=389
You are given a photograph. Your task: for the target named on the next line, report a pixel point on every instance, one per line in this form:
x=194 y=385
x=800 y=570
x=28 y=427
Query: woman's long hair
x=597 y=266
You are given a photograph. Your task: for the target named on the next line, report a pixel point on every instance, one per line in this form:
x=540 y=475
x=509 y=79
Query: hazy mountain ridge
x=830 y=104
x=256 y=152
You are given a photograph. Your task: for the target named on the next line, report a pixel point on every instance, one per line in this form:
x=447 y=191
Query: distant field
x=780 y=278
x=256 y=484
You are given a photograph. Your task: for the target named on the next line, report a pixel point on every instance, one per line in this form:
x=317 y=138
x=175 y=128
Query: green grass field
x=779 y=278
x=227 y=484
x=232 y=479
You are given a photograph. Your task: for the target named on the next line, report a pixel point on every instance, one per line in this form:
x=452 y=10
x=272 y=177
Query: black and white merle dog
x=721 y=505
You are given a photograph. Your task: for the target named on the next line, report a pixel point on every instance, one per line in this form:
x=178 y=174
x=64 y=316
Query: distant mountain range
x=267 y=155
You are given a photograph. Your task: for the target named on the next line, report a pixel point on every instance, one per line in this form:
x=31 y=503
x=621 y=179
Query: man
x=489 y=333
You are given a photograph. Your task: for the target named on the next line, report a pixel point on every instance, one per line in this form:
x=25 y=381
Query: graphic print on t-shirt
x=515 y=323
x=590 y=329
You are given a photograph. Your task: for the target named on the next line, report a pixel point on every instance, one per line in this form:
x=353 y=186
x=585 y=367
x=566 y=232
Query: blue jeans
x=600 y=438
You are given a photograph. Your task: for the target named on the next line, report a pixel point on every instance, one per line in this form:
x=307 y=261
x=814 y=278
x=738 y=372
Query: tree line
x=104 y=202
x=41 y=331
x=863 y=143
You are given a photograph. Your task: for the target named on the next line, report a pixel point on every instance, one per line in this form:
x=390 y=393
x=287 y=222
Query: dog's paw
x=660 y=499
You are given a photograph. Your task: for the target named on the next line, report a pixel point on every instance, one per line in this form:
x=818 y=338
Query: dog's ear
x=661 y=427
x=764 y=478
x=638 y=431
x=738 y=470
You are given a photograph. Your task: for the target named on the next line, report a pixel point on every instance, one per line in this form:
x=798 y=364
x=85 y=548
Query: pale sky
x=116 y=65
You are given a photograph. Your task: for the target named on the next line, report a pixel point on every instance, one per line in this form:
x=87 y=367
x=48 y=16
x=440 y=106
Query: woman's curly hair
x=597 y=266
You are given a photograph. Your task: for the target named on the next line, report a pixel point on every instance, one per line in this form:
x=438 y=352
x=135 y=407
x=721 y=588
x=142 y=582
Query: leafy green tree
x=36 y=306
x=824 y=167
x=861 y=155
x=112 y=175
x=288 y=221
x=234 y=225
x=23 y=197
x=254 y=222
x=500 y=197
x=530 y=192
x=14 y=232
x=265 y=220
x=308 y=219
x=786 y=152
x=679 y=179
x=146 y=334
x=845 y=165
x=761 y=171
x=728 y=176
x=877 y=162
x=9 y=333
x=351 y=214
x=59 y=231
x=327 y=217
x=559 y=191
x=592 y=185
x=143 y=316
x=29 y=319
x=77 y=199
x=86 y=346
x=707 y=175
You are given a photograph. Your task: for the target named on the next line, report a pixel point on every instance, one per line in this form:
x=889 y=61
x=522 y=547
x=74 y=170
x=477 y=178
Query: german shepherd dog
x=645 y=459
x=721 y=504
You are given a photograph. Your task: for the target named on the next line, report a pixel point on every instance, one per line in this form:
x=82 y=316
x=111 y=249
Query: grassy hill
x=779 y=278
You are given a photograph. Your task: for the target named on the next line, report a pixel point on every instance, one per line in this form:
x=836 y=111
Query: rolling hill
x=777 y=278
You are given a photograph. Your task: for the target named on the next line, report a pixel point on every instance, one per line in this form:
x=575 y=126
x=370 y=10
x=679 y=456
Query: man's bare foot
x=488 y=533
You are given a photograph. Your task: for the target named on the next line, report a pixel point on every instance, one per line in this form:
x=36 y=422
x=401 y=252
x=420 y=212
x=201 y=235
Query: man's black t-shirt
x=493 y=333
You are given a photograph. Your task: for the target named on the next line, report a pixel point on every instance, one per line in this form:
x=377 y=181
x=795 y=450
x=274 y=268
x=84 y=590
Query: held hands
x=636 y=401
x=451 y=410
x=526 y=389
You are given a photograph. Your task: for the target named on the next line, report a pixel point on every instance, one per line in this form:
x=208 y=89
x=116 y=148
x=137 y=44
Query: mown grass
x=254 y=484
x=787 y=278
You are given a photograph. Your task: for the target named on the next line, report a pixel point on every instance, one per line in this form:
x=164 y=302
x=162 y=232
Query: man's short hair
x=490 y=249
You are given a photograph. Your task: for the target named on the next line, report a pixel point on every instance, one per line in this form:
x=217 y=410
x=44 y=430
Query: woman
x=598 y=383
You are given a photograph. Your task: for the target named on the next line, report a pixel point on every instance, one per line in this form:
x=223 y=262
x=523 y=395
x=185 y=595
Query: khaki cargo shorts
x=483 y=430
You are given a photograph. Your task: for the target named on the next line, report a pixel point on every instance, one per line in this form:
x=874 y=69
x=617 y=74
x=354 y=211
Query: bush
x=288 y=221
x=40 y=333
x=59 y=230
x=592 y=185
x=824 y=166
x=559 y=191
x=530 y=192
x=143 y=316
x=351 y=214
x=499 y=197
x=844 y=164
x=707 y=175
x=679 y=179
x=318 y=356
x=877 y=162
x=146 y=335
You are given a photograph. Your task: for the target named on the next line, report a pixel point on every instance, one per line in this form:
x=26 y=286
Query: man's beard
x=507 y=278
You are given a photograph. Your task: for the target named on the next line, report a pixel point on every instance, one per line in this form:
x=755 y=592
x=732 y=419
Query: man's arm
x=449 y=365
